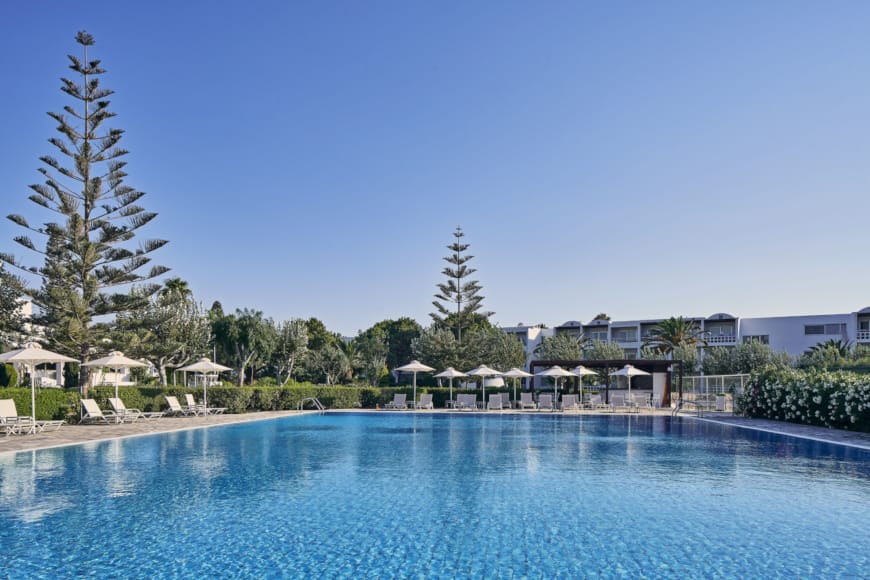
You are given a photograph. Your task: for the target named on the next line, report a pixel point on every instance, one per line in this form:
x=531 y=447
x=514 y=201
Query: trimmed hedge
x=66 y=403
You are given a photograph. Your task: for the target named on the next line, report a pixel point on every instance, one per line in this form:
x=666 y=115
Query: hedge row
x=838 y=400
x=65 y=404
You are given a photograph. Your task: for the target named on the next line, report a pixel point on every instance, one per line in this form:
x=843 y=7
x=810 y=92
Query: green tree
x=330 y=362
x=561 y=347
x=169 y=330
x=601 y=350
x=494 y=347
x=246 y=337
x=683 y=352
x=291 y=348
x=669 y=334
x=438 y=348
x=748 y=357
x=458 y=300
x=400 y=333
x=319 y=336
x=371 y=351
x=86 y=258
x=11 y=320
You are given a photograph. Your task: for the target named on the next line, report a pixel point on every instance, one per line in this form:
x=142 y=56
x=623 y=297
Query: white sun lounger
x=506 y=401
x=398 y=402
x=20 y=425
x=425 y=402
x=175 y=407
x=495 y=402
x=466 y=402
x=200 y=409
x=93 y=414
x=545 y=403
x=133 y=414
x=569 y=403
x=527 y=402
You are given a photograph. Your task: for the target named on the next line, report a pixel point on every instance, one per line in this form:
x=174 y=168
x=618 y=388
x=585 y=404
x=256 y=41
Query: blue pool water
x=419 y=495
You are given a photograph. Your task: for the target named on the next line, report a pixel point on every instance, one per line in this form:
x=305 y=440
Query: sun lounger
x=425 y=402
x=133 y=414
x=617 y=402
x=641 y=401
x=569 y=403
x=466 y=402
x=398 y=402
x=175 y=407
x=495 y=402
x=596 y=402
x=545 y=403
x=506 y=401
x=21 y=425
x=93 y=414
x=527 y=402
x=200 y=409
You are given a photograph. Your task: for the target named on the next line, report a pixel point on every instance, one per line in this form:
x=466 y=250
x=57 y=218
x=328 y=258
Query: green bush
x=8 y=376
x=51 y=404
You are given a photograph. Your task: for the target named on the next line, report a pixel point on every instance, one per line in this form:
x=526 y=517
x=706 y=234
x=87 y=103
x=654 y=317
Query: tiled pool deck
x=75 y=434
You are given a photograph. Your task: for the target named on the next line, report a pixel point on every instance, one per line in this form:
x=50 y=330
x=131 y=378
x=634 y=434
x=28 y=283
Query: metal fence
x=707 y=387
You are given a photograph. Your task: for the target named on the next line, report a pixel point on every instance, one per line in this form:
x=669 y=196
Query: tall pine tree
x=87 y=261
x=458 y=299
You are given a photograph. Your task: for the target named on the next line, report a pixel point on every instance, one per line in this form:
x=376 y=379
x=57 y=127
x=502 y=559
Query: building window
x=829 y=329
x=762 y=338
x=814 y=329
x=630 y=353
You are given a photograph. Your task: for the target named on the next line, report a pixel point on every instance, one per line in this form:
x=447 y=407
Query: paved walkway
x=74 y=434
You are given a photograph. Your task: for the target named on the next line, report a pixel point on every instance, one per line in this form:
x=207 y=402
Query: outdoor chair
x=642 y=401
x=134 y=414
x=175 y=407
x=11 y=422
x=506 y=401
x=466 y=402
x=545 y=403
x=22 y=425
x=596 y=402
x=201 y=409
x=398 y=402
x=495 y=402
x=527 y=402
x=425 y=402
x=91 y=413
x=618 y=402
x=569 y=403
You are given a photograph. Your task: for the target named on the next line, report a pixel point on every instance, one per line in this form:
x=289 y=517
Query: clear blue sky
x=643 y=159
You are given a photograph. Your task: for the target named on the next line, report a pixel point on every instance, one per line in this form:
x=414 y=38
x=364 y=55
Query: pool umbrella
x=115 y=361
x=629 y=371
x=415 y=367
x=515 y=374
x=556 y=372
x=581 y=372
x=450 y=373
x=484 y=371
x=33 y=354
x=205 y=367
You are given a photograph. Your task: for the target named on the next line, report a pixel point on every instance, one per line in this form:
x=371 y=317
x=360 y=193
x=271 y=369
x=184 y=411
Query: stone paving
x=74 y=434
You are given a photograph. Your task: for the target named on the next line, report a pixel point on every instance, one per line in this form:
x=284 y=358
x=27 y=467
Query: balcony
x=863 y=336
x=721 y=339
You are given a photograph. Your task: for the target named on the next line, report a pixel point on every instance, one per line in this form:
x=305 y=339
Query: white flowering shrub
x=839 y=399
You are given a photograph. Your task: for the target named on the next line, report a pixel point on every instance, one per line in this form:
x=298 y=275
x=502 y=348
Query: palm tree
x=176 y=287
x=842 y=347
x=674 y=332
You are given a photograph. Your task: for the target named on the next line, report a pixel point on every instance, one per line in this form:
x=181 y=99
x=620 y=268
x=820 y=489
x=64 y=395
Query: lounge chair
x=641 y=401
x=569 y=403
x=425 y=402
x=495 y=402
x=506 y=401
x=134 y=414
x=19 y=425
x=466 y=402
x=595 y=402
x=398 y=402
x=545 y=403
x=175 y=407
x=527 y=402
x=200 y=409
x=93 y=414
x=618 y=402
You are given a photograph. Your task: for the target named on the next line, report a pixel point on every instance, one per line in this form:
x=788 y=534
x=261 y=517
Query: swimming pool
x=440 y=495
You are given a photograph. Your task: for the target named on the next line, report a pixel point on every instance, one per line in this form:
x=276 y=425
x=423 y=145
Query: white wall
x=787 y=332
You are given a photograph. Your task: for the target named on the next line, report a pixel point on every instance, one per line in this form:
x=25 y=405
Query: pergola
x=610 y=365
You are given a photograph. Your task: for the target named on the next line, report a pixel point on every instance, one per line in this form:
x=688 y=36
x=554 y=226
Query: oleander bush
x=834 y=399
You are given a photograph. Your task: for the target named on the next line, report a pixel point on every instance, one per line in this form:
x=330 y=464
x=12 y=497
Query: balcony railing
x=721 y=339
x=863 y=336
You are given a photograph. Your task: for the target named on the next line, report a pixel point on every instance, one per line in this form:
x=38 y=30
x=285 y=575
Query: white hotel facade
x=791 y=334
